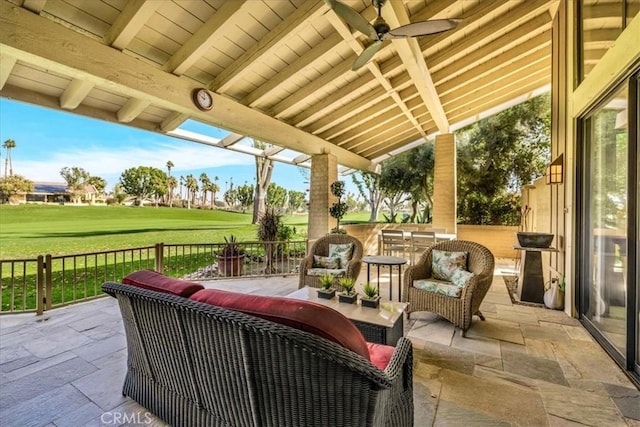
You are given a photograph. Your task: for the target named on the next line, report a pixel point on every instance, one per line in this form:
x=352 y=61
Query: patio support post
x=324 y=171
x=444 y=184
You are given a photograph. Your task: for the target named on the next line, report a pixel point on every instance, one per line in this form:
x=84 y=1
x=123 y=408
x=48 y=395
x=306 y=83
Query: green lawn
x=27 y=231
x=31 y=230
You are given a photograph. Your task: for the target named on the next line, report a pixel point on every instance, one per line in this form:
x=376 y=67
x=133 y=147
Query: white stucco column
x=444 y=183
x=324 y=171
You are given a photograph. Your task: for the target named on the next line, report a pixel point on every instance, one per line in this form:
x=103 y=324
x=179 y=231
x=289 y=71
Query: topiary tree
x=339 y=208
x=268 y=228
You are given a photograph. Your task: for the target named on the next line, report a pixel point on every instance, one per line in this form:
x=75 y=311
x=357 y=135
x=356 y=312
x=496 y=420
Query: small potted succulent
x=348 y=294
x=327 y=290
x=231 y=257
x=371 y=297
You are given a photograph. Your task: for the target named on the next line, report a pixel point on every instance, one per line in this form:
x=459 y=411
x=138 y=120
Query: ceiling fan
x=380 y=31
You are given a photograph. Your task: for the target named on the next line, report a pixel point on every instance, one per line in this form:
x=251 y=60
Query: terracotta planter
x=231 y=266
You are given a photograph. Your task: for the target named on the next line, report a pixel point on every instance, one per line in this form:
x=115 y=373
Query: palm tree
x=172 y=183
x=214 y=188
x=204 y=179
x=8 y=145
x=192 y=189
x=169 y=166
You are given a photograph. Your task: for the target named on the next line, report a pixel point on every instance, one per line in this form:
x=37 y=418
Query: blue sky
x=48 y=140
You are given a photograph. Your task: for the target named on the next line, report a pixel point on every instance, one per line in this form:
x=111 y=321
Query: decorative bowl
x=534 y=240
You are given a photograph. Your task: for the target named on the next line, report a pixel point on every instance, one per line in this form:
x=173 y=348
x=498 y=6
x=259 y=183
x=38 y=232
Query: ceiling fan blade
x=422 y=28
x=366 y=55
x=352 y=18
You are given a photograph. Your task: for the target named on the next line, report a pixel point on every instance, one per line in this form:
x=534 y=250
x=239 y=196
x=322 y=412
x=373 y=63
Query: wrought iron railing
x=45 y=282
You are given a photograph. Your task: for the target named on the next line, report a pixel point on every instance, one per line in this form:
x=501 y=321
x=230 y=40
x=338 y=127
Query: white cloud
x=110 y=163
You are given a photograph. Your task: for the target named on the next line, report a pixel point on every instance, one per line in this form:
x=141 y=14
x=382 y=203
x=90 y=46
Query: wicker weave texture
x=458 y=311
x=194 y=364
x=321 y=247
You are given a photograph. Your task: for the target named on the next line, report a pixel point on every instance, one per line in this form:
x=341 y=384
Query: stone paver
x=522 y=366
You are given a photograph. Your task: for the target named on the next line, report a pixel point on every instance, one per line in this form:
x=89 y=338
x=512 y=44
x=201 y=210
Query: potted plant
x=231 y=257
x=371 y=297
x=327 y=291
x=339 y=208
x=348 y=294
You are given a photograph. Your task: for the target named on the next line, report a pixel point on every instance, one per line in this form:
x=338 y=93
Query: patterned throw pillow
x=446 y=262
x=460 y=277
x=343 y=251
x=326 y=262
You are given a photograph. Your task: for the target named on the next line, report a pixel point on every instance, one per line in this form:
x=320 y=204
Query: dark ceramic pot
x=349 y=299
x=369 y=302
x=326 y=294
x=534 y=240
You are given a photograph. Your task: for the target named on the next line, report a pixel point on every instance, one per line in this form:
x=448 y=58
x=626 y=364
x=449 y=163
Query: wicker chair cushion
x=441 y=287
x=336 y=272
x=444 y=263
x=153 y=281
x=343 y=251
x=306 y=316
x=380 y=354
x=326 y=262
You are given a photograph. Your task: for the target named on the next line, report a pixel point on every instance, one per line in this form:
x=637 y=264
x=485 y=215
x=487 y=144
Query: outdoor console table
x=531 y=281
x=382 y=325
x=391 y=261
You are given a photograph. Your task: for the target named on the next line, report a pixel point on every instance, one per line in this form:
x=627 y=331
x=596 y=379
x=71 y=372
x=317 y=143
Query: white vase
x=554 y=297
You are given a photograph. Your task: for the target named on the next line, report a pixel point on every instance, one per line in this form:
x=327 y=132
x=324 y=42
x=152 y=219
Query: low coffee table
x=383 y=325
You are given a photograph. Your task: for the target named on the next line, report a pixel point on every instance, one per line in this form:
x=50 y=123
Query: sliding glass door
x=608 y=297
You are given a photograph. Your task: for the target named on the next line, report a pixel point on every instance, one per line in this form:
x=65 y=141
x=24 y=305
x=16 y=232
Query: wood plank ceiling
x=279 y=70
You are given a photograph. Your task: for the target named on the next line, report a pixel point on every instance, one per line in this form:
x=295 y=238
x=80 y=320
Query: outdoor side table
x=391 y=261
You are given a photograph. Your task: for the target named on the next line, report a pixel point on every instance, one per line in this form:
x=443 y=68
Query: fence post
x=48 y=268
x=40 y=297
x=159 y=257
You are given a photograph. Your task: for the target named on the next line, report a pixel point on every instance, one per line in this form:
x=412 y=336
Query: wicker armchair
x=458 y=311
x=321 y=247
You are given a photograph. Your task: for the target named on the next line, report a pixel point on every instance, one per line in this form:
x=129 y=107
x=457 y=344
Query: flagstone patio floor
x=524 y=366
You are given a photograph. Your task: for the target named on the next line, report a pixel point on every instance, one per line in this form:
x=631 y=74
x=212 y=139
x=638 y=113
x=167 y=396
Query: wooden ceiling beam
x=357 y=47
x=129 y=22
x=35 y=6
x=309 y=59
x=229 y=140
x=282 y=108
x=37 y=40
x=173 y=122
x=75 y=93
x=6 y=66
x=457 y=100
x=132 y=109
x=487 y=56
x=202 y=40
x=365 y=115
x=489 y=104
x=369 y=122
x=482 y=74
x=304 y=14
x=416 y=66
x=53 y=102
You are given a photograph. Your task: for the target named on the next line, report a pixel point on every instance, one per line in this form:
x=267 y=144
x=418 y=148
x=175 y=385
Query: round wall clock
x=202 y=98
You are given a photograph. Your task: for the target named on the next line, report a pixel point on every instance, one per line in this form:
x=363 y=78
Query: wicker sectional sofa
x=214 y=358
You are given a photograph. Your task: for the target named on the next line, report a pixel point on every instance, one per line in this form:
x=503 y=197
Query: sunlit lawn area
x=30 y=230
